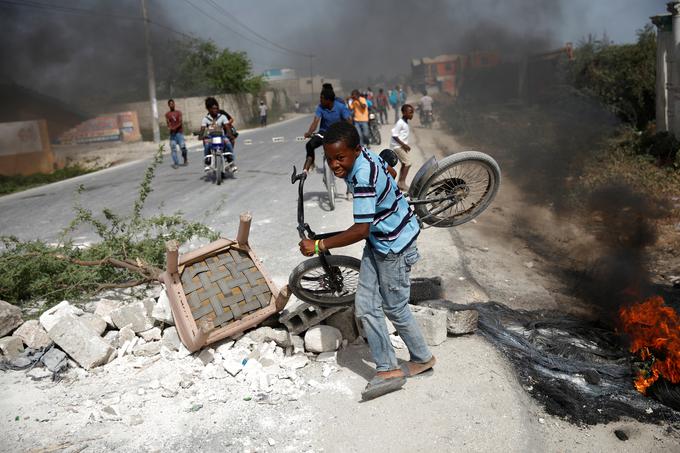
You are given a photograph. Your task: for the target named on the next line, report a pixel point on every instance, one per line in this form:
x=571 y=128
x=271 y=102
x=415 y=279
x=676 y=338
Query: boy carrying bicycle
x=384 y=219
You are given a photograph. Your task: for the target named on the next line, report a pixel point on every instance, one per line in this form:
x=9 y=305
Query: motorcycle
x=426 y=118
x=220 y=160
x=374 y=129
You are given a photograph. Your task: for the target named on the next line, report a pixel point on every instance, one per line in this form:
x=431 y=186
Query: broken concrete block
x=266 y=334
x=105 y=307
x=206 y=356
x=171 y=339
x=95 y=321
x=161 y=311
x=147 y=349
x=397 y=342
x=432 y=324
x=295 y=362
x=153 y=334
x=298 y=344
x=345 y=322
x=50 y=318
x=137 y=314
x=327 y=356
x=84 y=345
x=33 y=335
x=10 y=317
x=459 y=321
x=11 y=346
x=426 y=288
x=299 y=316
x=125 y=335
x=55 y=360
x=111 y=337
x=322 y=339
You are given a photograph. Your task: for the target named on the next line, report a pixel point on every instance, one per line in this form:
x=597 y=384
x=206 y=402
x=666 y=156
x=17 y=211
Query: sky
x=70 y=47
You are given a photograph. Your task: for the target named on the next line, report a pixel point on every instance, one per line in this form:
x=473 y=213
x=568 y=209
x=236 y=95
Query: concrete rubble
x=85 y=345
x=322 y=338
x=459 y=321
x=33 y=335
x=432 y=323
x=11 y=346
x=10 y=318
x=137 y=315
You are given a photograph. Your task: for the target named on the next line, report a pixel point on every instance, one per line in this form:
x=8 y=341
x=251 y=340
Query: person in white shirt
x=399 y=144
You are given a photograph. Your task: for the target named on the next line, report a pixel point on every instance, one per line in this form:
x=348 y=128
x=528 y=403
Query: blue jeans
x=384 y=289
x=362 y=129
x=176 y=139
x=227 y=148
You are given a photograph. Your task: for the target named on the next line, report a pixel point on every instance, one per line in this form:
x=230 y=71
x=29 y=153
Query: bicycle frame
x=305 y=232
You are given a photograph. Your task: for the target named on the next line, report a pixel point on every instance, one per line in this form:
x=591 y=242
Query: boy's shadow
x=355 y=357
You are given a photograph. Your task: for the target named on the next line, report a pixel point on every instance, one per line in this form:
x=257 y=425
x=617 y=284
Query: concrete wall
x=25 y=148
x=242 y=107
x=113 y=127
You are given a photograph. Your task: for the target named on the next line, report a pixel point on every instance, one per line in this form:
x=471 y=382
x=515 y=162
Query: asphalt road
x=262 y=186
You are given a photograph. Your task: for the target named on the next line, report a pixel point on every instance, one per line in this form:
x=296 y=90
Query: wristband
x=316 y=247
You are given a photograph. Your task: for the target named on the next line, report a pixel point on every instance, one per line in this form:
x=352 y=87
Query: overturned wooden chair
x=220 y=289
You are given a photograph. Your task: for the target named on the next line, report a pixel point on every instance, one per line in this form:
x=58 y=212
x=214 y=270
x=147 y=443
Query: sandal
x=379 y=386
x=411 y=369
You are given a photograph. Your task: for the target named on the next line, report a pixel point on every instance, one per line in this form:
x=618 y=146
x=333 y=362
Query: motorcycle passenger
x=329 y=111
x=359 y=107
x=216 y=122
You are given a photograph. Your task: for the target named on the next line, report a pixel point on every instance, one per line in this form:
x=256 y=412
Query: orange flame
x=654 y=331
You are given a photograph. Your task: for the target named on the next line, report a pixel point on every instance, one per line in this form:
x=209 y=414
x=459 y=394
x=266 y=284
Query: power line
x=235 y=19
x=227 y=26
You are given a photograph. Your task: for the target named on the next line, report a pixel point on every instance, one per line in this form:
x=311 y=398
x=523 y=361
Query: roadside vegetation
x=130 y=252
x=595 y=127
x=17 y=183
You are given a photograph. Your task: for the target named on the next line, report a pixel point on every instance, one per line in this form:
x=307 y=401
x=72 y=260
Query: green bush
x=621 y=76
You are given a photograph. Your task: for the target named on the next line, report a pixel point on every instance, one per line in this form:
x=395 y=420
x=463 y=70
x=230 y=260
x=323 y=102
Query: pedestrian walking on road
x=389 y=252
x=399 y=144
x=359 y=107
x=263 y=114
x=394 y=102
x=381 y=103
x=173 y=119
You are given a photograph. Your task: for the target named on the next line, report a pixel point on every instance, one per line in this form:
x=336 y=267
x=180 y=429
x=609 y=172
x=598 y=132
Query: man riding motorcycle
x=214 y=122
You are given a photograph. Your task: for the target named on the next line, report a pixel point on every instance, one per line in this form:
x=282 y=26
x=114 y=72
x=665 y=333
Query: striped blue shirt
x=377 y=199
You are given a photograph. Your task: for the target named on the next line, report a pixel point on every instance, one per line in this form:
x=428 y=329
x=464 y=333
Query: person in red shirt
x=381 y=103
x=173 y=119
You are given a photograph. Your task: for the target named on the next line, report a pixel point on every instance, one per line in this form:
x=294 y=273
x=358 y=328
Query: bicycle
x=328 y=177
x=444 y=193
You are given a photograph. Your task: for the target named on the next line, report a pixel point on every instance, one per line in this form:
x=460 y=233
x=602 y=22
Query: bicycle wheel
x=462 y=187
x=329 y=180
x=219 y=166
x=310 y=282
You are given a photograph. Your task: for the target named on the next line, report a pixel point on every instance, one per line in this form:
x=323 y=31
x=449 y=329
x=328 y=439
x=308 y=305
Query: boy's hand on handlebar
x=307 y=247
x=307 y=135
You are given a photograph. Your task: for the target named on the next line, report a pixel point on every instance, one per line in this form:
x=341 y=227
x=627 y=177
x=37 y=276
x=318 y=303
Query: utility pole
x=311 y=81
x=151 y=75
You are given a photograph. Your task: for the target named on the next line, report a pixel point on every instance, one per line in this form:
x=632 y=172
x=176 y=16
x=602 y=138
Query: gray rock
x=345 y=322
x=171 y=339
x=33 y=335
x=95 y=321
x=55 y=360
x=10 y=317
x=148 y=349
x=322 y=339
x=206 y=356
x=50 y=318
x=11 y=346
x=112 y=337
x=459 y=320
x=426 y=288
x=161 y=311
x=153 y=334
x=105 y=307
x=266 y=334
x=83 y=344
x=432 y=324
x=137 y=315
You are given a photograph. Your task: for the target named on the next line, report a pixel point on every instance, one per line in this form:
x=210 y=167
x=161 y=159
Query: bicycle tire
x=219 y=166
x=454 y=177
x=311 y=270
x=329 y=180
